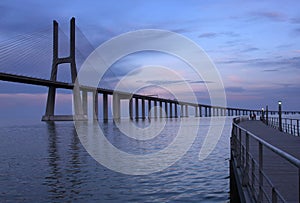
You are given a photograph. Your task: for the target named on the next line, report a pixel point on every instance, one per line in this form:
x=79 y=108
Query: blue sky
x=255 y=45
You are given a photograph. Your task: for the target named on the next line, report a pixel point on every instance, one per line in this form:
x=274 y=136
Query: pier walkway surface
x=278 y=179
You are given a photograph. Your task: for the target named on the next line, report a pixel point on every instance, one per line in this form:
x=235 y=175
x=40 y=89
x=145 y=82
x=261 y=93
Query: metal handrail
x=245 y=160
x=290 y=125
x=293 y=160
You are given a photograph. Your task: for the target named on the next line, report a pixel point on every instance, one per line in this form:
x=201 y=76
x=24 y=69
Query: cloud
x=270 y=70
x=297 y=31
x=208 y=35
x=230 y=34
x=269 y=15
x=280 y=62
x=180 y=30
x=295 y=20
x=214 y=34
x=250 y=49
x=235 y=89
x=200 y=82
x=170 y=82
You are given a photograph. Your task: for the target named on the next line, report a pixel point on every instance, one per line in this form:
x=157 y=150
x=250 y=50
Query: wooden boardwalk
x=283 y=175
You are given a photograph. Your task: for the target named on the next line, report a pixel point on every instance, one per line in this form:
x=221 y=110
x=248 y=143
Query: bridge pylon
x=50 y=108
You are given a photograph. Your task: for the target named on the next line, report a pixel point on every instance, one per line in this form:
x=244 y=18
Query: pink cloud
x=235 y=79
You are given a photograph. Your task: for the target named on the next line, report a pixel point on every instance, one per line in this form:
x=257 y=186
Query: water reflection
x=63 y=179
x=47 y=163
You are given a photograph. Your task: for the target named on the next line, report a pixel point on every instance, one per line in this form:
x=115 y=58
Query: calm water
x=47 y=163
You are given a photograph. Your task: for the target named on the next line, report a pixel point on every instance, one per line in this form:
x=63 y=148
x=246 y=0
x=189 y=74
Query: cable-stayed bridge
x=18 y=52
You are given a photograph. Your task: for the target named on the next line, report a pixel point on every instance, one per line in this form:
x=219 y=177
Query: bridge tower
x=49 y=114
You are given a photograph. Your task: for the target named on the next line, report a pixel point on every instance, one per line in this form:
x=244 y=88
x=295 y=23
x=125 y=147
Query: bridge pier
x=200 y=110
x=105 y=107
x=166 y=109
x=84 y=102
x=95 y=105
x=171 y=110
x=149 y=108
x=143 y=109
x=186 y=110
x=130 y=109
x=176 y=115
x=136 y=108
x=181 y=110
x=155 y=109
x=116 y=106
x=160 y=109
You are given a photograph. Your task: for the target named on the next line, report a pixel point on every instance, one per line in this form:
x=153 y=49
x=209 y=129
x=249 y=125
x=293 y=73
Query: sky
x=255 y=46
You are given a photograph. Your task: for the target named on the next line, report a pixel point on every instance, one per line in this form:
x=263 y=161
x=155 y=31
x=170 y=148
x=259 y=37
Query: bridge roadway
x=200 y=109
x=64 y=85
x=282 y=173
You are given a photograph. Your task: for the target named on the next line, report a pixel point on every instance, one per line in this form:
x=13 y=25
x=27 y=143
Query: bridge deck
x=281 y=173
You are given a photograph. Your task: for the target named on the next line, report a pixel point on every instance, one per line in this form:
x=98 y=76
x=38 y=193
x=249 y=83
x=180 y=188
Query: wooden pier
x=265 y=163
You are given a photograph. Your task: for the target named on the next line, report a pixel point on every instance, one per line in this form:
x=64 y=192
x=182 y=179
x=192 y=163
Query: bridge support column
x=166 y=109
x=155 y=109
x=171 y=110
x=105 y=107
x=149 y=108
x=186 y=110
x=160 y=109
x=116 y=106
x=143 y=109
x=175 y=107
x=84 y=102
x=181 y=110
x=136 y=108
x=95 y=103
x=200 y=111
x=196 y=111
x=130 y=109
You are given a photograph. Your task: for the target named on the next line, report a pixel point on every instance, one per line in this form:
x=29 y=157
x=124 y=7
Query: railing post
x=267 y=115
x=299 y=184
x=274 y=195
x=253 y=175
x=246 y=171
x=260 y=168
x=298 y=127
x=239 y=148
x=291 y=126
x=280 y=115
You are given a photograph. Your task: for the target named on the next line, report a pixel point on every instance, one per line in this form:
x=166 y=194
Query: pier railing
x=288 y=125
x=252 y=171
